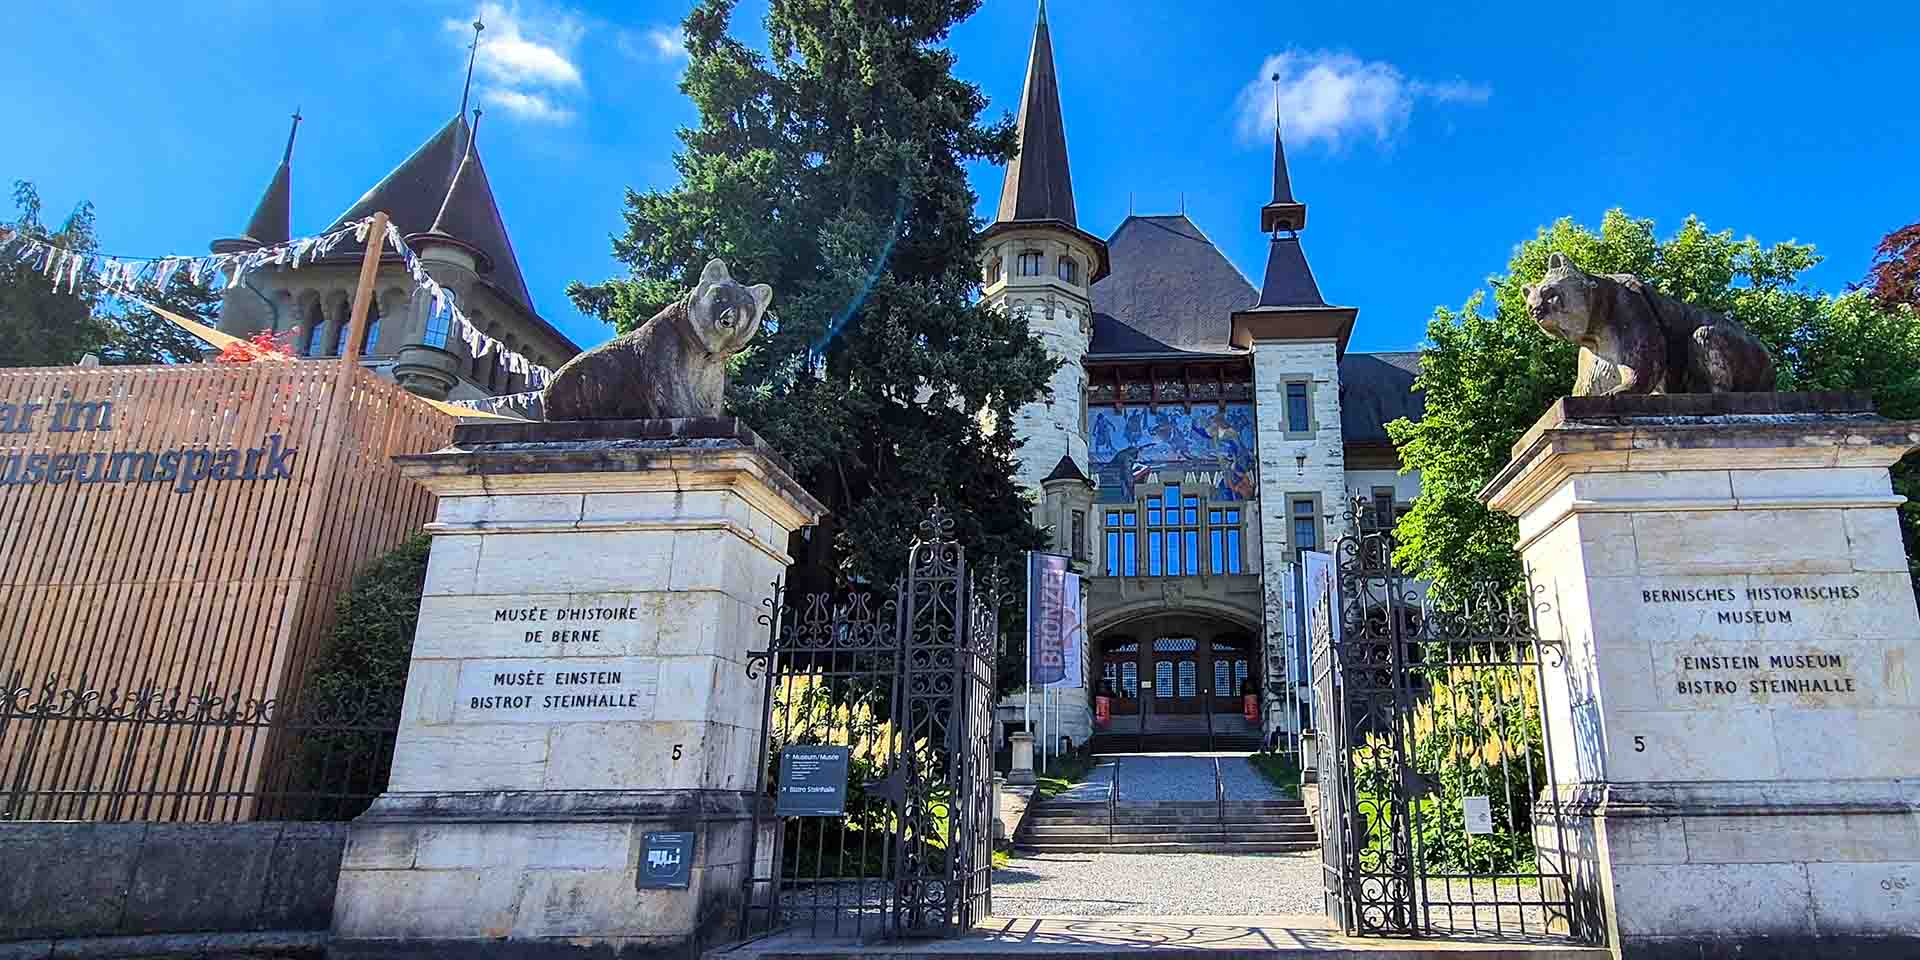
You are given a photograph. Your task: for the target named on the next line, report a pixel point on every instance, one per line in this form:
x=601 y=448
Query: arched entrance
x=1180 y=681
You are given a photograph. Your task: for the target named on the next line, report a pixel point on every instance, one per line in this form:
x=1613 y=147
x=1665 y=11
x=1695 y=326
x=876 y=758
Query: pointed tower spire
x=1284 y=213
x=467 y=212
x=1038 y=185
x=473 y=53
x=272 y=218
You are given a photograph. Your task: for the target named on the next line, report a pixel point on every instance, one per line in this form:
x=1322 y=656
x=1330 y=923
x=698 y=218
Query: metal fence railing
x=73 y=750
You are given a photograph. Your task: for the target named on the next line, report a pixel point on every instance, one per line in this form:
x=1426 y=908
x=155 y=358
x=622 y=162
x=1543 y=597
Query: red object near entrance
x=1250 y=708
x=1102 y=711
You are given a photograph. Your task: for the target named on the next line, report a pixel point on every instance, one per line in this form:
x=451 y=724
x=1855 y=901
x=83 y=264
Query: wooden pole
x=363 y=292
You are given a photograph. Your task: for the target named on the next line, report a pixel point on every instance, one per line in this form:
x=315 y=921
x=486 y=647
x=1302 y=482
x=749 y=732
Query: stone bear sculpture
x=674 y=365
x=1636 y=340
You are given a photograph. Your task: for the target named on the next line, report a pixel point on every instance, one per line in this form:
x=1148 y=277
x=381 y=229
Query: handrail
x=1209 y=709
x=1113 y=791
x=1219 y=795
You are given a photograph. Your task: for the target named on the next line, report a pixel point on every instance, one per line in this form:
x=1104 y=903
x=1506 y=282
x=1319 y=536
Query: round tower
x=1038 y=264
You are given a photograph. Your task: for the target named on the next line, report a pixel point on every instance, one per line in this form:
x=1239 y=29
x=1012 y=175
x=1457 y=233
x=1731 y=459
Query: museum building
x=1201 y=432
x=443 y=206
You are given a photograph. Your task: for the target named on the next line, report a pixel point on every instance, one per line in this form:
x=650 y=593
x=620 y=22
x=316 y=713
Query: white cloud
x=529 y=106
x=654 y=45
x=526 y=59
x=1332 y=97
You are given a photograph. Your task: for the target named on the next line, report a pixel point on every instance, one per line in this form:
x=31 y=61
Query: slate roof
x=1289 y=281
x=272 y=218
x=1376 y=388
x=1170 y=289
x=1282 y=184
x=1066 y=469
x=1038 y=185
x=415 y=192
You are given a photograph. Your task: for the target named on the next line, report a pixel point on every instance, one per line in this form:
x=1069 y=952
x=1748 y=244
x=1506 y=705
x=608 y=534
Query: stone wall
x=71 y=880
x=1293 y=466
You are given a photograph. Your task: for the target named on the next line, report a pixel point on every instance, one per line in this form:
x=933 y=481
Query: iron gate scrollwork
x=906 y=683
x=1440 y=815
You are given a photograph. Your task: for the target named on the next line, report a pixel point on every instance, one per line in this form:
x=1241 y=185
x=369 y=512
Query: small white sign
x=548 y=690
x=1479 y=813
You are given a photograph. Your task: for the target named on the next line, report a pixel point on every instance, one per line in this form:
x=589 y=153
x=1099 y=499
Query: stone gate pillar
x=1736 y=719
x=578 y=682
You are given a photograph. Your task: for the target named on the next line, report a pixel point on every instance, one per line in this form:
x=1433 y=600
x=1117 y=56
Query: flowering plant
x=263 y=345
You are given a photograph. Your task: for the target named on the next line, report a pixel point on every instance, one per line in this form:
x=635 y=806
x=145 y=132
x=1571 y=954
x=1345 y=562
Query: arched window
x=316 y=332
x=1031 y=263
x=340 y=335
x=372 y=337
x=1069 y=270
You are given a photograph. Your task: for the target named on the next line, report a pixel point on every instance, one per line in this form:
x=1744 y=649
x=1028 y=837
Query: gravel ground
x=1165 y=777
x=1158 y=884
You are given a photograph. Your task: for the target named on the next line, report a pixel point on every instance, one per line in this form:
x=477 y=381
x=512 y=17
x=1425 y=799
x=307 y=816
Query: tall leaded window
x=1299 y=413
x=1383 y=506
x=372 y=337
x=438 y=323
x=340 y=337
x=1032 y=262
x=316 y=333
x=1163 y=679
x=1223 y=540
x=1123 y=543
x=1069 y=270
x=1079 y=535
x=1306 y=526
x=1173 y=534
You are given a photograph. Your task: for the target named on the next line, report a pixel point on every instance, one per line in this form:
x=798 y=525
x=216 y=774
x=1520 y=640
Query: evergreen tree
x=832 y=168
x=1489 y=374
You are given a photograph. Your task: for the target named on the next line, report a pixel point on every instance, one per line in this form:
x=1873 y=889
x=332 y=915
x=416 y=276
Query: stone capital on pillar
x=579 y=679
x=1730 y=698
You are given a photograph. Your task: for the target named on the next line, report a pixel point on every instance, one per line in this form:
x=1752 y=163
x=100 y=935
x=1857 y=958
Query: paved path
x=1162 y=777
x=1158 y=884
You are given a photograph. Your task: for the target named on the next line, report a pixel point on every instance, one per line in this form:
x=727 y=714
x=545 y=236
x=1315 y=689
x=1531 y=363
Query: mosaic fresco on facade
x=1210 y=448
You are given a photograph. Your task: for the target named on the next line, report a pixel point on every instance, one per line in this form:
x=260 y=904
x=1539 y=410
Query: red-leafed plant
x=264 y=345
x=1895 y=275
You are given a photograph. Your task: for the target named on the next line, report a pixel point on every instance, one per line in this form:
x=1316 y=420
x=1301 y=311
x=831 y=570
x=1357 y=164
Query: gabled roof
x=1376 y=389
x=1038 y=185
x=1170 y=289
x=416 y=192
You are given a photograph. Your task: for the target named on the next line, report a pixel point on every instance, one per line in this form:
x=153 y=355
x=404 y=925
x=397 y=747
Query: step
x=1173 y=823
x=1298 y=846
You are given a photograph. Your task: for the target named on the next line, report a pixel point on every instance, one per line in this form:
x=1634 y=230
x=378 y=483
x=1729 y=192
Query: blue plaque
x=666 y=860
x=813 y=782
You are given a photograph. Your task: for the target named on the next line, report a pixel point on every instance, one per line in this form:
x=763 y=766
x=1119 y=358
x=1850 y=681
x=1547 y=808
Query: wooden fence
x=190 y=527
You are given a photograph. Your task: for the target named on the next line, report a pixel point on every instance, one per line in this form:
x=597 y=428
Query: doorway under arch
x=1179 y=682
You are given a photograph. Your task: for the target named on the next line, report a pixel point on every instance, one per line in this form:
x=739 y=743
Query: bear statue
x=1636 y=340
x=673 y=366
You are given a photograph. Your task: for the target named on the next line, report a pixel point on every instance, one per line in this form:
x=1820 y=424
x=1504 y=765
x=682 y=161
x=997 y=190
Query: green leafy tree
x=143 y=336
x=40 y=325
x=833 y=168
x=1489 y=372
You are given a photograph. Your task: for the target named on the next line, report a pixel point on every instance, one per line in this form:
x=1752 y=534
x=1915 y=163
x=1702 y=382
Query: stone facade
x=1733 y=710
x=579 y=679
x=1059 y=313
x=1295 y=468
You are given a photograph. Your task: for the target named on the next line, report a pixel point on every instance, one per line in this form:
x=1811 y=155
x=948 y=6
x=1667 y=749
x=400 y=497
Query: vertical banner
x=1073 y=633
x=1322 y=598
x=1046 y=617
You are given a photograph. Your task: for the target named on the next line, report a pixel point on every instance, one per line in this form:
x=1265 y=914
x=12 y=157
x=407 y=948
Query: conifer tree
x=832 y=167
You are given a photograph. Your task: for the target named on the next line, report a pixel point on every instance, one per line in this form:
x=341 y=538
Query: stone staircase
x=1106 y=744
x=1237 y=826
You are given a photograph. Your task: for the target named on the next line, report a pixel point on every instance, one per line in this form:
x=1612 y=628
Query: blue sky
x=1427 y=139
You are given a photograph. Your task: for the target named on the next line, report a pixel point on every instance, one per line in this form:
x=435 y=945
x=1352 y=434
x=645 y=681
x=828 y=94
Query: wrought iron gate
x=1438 y=808
x=906 y=683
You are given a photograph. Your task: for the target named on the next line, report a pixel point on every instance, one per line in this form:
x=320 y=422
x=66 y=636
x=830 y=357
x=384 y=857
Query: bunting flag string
x=122 y=276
